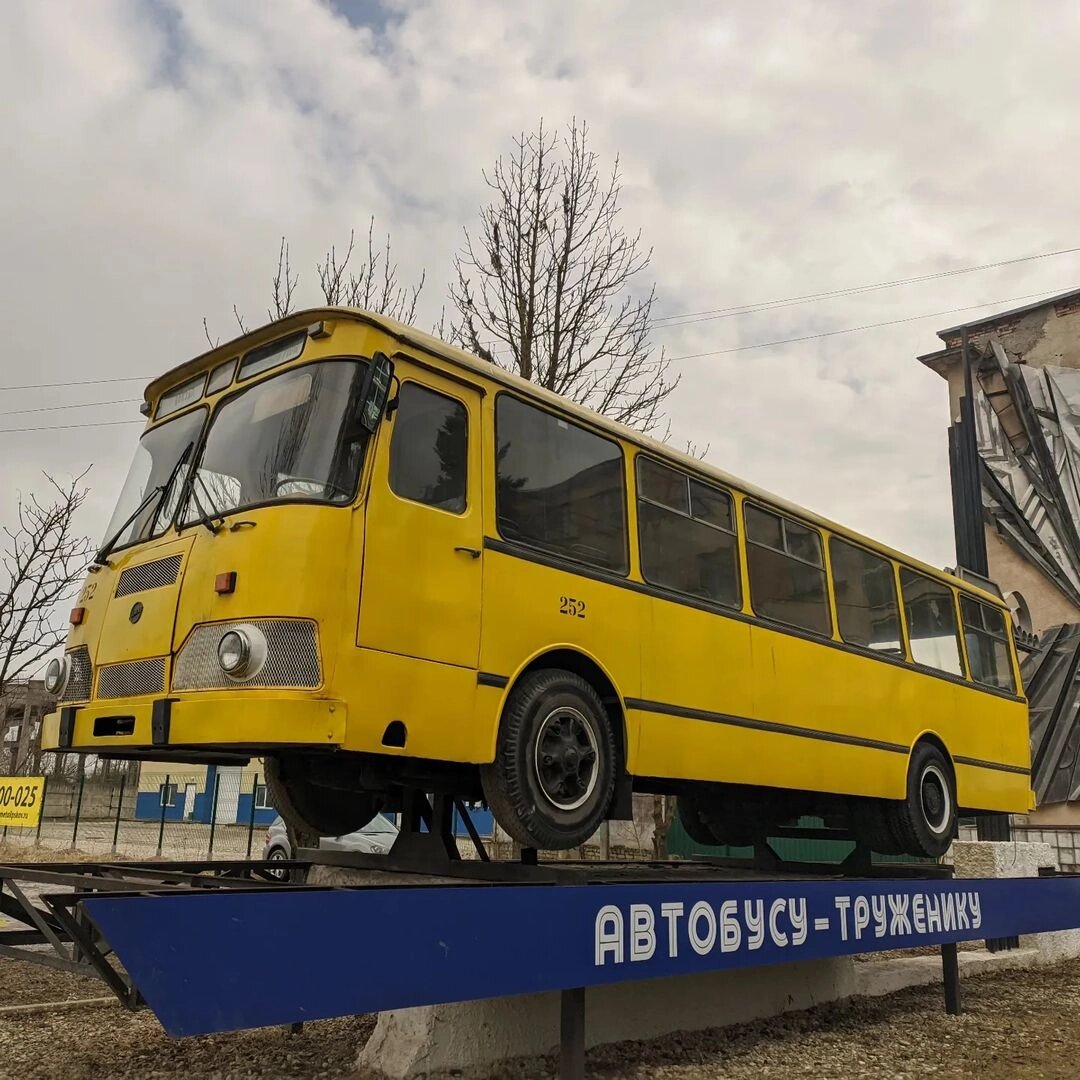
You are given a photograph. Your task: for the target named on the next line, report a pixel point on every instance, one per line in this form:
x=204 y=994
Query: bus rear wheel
x=312 y=810
x=924 y=822
x=553 y=776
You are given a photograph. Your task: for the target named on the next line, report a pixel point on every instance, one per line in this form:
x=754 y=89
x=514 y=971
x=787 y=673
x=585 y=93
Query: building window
x=867 y=613
x=559 y=487
x=931 y=622
x=260 y=798
x=787 y=572
x=686 y=532
x=429 y=449
x=167 y=794
x=987 y=644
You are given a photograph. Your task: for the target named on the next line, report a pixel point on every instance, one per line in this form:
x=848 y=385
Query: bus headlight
x=56 y=675
x=242 y=652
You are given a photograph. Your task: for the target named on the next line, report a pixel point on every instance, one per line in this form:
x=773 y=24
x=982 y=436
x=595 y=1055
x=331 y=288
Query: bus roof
x=414 y=338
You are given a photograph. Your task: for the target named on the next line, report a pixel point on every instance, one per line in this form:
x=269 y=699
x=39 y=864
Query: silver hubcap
x=567 y=758
x=936 y=799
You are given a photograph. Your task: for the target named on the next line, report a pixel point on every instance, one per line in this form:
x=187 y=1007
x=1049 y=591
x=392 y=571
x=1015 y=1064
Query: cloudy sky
x=155 y=152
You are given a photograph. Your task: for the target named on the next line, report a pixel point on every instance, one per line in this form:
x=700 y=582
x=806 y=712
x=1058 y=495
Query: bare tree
x=354 y=279
x=546 y=287
x=43 y=563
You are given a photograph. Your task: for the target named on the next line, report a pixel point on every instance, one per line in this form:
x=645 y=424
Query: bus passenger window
x=787 y=571
x=865 y=590
x=686 y=534
x=429 y=449
x=931 y=622
x=559 y=487
x=987 y=644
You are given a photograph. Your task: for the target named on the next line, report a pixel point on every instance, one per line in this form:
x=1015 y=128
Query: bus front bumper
x=231 y=720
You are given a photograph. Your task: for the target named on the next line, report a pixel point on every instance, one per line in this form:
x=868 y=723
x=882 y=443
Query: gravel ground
x=1015 y=1027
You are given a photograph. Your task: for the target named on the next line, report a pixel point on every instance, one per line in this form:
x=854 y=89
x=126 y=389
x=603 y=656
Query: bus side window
x=787 y=571
x=987 y=644
x=429 y=449
x=865 y=590
x=931 y=621
x=686 y=534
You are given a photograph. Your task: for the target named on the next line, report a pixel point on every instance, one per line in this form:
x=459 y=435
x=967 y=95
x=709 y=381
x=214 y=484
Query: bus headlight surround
x=241 y=652
x=56 y=675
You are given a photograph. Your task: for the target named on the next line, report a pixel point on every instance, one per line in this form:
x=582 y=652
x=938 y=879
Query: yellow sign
x=20 y=800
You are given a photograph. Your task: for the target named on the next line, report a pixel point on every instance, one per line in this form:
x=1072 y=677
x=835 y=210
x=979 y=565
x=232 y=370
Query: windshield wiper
x=158 y=492
x=207 y=518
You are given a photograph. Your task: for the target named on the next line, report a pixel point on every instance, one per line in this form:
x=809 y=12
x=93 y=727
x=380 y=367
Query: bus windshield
x=159 y=462
x=293 y=437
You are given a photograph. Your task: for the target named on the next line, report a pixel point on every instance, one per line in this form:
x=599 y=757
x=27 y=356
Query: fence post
x=164 y=797
x=41 y=816
x=213 y=814
x=78 y=809
x=251 y=818
x=119 y=810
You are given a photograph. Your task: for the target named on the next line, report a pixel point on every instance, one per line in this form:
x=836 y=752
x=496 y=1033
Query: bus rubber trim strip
x=685 y=713
x=160 y=719
x=486 y=678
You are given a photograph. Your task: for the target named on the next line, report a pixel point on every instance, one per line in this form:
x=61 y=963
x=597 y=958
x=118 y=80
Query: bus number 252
x=569 y=606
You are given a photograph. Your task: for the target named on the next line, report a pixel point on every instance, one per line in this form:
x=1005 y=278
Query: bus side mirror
x=375 y=391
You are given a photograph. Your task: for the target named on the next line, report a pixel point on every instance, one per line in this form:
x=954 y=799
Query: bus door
x=421 y=582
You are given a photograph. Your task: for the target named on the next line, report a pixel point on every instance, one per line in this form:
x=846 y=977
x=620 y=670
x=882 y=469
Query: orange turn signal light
x=77 y=615
x=225 y=583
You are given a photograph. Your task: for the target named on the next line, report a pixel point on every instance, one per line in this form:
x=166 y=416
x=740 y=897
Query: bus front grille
x=131 y=679
x=292 y=657
x=78 y=681
x=151 y=575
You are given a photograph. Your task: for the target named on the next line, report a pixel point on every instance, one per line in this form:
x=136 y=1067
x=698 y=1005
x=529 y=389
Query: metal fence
x=216 y=814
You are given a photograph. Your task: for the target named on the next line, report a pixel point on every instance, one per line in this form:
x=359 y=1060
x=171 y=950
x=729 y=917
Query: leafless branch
x=239 y=320
x=43 y=562
x=284 y=285
x=206 y=330
x=546 y=286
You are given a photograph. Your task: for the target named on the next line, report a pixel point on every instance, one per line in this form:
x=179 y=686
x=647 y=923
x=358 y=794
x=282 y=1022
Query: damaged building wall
x=1025 y=368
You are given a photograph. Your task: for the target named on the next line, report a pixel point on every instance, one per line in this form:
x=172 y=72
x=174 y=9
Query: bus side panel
x=435 y=702
x=530 y=609
x=991 y=729
x=693 y=659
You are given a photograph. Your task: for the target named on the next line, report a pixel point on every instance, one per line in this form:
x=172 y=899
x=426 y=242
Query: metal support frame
x=950 y=970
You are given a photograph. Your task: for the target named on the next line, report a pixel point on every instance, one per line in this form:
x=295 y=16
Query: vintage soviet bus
x=381 y=563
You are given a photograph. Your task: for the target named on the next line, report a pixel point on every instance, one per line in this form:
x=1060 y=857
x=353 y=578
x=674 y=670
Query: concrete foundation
x=411 y=1042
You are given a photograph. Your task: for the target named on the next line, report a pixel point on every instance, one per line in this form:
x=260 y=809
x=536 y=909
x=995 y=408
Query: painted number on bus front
x=569 y=606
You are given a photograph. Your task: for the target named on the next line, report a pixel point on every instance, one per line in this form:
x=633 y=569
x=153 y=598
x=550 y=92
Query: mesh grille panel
x=151 y=575
x=78 y=684
x=292 y=657
x=131 y=679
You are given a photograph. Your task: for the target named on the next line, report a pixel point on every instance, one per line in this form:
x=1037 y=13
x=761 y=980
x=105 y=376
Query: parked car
x=375 y=838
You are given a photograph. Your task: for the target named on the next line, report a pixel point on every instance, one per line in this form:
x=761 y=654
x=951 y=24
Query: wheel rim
x=936 y=799
x=277 y=856
x=567 y=758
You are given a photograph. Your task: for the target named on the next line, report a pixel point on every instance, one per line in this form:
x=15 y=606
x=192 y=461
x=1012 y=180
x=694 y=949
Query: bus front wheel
x=311 y=809
x=553 y=776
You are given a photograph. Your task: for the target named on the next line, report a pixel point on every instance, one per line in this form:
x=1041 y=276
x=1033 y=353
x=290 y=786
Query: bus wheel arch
x=559 y=752
x=587 y=668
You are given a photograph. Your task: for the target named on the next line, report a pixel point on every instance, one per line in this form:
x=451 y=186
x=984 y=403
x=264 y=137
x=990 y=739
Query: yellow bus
x=383 y=564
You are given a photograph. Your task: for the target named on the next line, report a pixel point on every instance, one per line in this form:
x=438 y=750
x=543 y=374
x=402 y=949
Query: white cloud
x=154 y=154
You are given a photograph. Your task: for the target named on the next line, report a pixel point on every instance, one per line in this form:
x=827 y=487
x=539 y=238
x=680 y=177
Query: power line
x=65 y=427
x=854 y=329
x=76 y=405
x=791 y=301
x=76 y=382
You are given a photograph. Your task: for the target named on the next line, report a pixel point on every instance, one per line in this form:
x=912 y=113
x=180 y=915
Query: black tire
x=277 y=854
x=554 y=772
x=311 y=810
x=693 y=822
x=924 y=823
